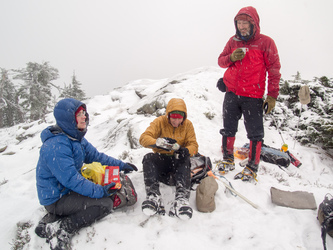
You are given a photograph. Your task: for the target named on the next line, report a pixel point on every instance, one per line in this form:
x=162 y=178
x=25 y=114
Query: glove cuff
x=270 y=98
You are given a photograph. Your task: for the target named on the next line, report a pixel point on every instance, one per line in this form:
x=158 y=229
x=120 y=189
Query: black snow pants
x=234 y=107
x=168 y=170
x=77 y=211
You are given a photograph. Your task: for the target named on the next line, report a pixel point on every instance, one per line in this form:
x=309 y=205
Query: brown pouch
x=205 y=195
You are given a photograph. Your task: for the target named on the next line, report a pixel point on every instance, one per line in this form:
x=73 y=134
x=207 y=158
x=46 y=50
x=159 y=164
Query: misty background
x=109 y=43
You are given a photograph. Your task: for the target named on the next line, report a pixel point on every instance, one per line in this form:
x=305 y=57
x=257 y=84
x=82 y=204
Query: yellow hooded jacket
x=161 y=127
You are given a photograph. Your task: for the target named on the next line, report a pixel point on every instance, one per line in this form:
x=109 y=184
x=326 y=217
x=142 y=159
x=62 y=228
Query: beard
x=245 y=34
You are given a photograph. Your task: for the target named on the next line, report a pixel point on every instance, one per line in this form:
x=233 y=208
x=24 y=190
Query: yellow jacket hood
x=161 y=127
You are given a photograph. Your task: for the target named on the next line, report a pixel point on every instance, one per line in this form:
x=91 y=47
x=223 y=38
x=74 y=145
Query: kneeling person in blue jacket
x=71 y=200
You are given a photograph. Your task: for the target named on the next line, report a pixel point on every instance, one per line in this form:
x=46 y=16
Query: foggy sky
x=109 y=43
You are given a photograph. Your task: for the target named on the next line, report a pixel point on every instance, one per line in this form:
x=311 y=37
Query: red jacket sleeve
x=273 y=65
x=224 y=60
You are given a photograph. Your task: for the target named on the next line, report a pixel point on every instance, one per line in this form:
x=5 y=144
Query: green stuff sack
x=304 y=94
x=205 y=194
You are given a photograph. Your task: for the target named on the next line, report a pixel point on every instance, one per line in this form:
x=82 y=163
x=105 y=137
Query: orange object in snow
x=241 y=153
x=284 y=148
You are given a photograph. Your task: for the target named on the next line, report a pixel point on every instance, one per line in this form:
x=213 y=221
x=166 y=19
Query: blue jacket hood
x=62 y=155
x=64 y=113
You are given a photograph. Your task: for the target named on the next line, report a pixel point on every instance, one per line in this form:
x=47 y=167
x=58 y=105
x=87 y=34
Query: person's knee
x=228 y=132
x=106 y=204
x=147 y=158
x=256 y=137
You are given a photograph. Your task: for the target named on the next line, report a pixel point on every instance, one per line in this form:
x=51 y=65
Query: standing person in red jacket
x=248 y=56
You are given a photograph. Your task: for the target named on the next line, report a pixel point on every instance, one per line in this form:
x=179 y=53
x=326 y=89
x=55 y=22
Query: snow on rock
x=116 y=123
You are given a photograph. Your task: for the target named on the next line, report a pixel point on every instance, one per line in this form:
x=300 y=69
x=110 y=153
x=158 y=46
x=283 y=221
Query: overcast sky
x=109 y=43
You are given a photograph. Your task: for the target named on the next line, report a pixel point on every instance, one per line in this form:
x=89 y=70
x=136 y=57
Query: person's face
x=81 y=119
x=175 y=122
x=244 y=27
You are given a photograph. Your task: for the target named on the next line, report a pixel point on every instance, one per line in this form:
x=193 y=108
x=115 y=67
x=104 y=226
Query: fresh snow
x=233 y=225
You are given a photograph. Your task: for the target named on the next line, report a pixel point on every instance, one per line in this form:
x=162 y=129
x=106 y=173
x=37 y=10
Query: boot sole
x=184 y=213
x=149 y=210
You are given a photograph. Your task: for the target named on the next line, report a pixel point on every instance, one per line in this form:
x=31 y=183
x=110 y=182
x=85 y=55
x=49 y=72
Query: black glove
x=181 y=154
x=107 y=189
x=129 y=167
x=170 y=140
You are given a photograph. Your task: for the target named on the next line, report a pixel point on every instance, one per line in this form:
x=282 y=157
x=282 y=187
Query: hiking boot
x=48 y=218
x=246 y=175
x=153 y=205
x=181 y=208
x=225 y=166
x=57 y=237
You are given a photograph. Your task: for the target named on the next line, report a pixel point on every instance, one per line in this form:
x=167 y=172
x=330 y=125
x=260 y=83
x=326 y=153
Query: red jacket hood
x=252 y=12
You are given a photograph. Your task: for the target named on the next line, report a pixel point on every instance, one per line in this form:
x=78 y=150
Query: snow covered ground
x=233 y=225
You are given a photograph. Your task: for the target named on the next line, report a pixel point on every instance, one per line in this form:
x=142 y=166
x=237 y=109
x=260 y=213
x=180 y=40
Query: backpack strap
x=326 y=208
x=323 y=235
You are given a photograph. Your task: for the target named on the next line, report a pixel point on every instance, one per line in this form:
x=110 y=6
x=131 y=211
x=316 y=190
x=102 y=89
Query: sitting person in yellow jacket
x=173 y=141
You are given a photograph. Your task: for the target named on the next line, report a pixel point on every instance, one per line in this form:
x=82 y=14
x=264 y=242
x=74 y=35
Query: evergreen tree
x=325 y=81
x=73 y=90
x=66 y=92
x=10 y=111
x=35 y=92
x=297 y=77
x=311 y=131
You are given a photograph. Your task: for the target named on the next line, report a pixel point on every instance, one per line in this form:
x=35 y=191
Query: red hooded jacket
x=247 y=77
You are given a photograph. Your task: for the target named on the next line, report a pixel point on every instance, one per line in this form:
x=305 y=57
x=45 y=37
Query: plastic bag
x=94 y=172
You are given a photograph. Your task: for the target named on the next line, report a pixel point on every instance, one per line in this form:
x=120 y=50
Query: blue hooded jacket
x=62 y=155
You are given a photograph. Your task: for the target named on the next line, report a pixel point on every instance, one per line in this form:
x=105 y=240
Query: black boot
x=247 y=174
x=227 y=164
x=250 y=171
x=58 y=237
x=180 y=207
x=48 y=218
x=254 y=155
x=153 y=205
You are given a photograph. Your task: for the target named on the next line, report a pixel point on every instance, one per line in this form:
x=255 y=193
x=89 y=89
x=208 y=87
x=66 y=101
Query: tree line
x=30 y=97
x=317 y=127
